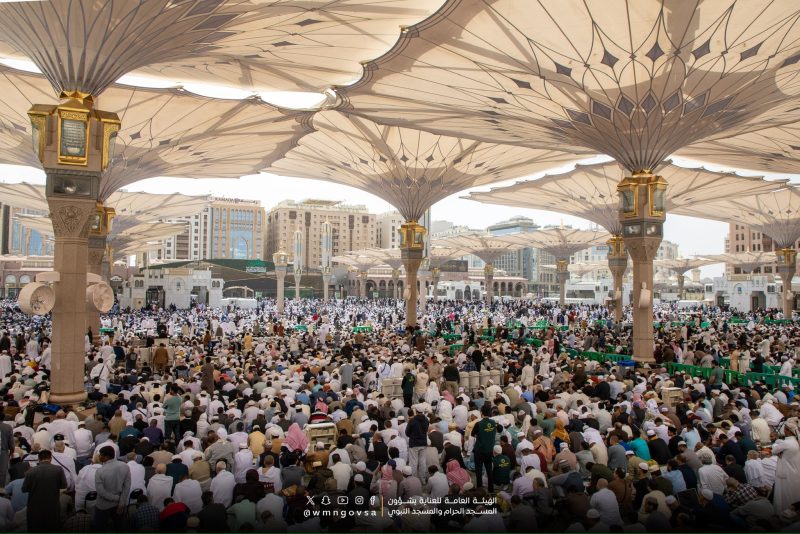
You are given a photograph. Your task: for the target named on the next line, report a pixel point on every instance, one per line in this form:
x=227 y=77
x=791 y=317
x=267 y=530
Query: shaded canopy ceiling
x=746 y=261
x=634 y=80
x=385 y=256
x=362 y=260
x=560 y=242
x=580 y=269
x=144 y=231
x=487 y=247
x=126 y=204
x=437 y=256
x=142 y=235
x=775 y=149
x=681 y=265
x=165 y=132
x=410 y=169
x=775 y=214
x=254 y=44
x=136 y=248
x=136 y=235
x=590 y=191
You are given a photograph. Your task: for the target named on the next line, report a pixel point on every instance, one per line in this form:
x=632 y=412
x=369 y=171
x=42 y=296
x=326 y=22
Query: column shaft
x=617 y=264
x=97 y=249
x=412 y=265
x=642 y=311
x=71 y=219
x=488 y=280
x=395 y=280
x=423 y=296
x=642 y=214
x=786 y=274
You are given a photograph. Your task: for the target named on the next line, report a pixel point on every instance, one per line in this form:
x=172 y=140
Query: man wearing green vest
x=485 y=433
x=502 y=467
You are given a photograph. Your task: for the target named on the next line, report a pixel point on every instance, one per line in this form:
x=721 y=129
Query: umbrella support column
x=642 y=214
x=787 y=266
x=617 y=264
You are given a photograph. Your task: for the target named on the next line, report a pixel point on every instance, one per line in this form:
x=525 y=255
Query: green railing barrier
x=603 y=357
x=768 y=369
x=778 y=321
x=692 y=370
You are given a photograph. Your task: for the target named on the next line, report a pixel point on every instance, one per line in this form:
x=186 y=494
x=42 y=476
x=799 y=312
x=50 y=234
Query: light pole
x=281 y=261
x=298 y=261
x=327 y=254
x=75 y=143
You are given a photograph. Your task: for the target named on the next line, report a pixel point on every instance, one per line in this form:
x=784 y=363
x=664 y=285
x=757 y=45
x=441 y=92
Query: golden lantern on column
x=73 y=133
x=280 y=259
x=412 y=236
x=103 y=220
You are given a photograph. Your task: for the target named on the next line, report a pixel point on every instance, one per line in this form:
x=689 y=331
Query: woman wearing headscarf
x=456 y=474
x=559 y=435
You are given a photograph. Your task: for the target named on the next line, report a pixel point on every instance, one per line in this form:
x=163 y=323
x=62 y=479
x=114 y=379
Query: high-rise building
x=742 y=238
x=21 y=240
x=593 y=254
x=667 y=250
x=387 y=226
x=533 y=264
x=192 y=244
x=353 y=227
x=441 y=229
x=224 y=228
x=236 y=229
x=5 y=227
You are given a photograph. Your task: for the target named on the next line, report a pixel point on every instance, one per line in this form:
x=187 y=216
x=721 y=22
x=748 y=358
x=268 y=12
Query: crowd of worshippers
x=237 y=420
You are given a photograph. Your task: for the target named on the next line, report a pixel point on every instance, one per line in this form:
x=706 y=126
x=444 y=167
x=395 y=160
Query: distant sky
x=694 y=236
